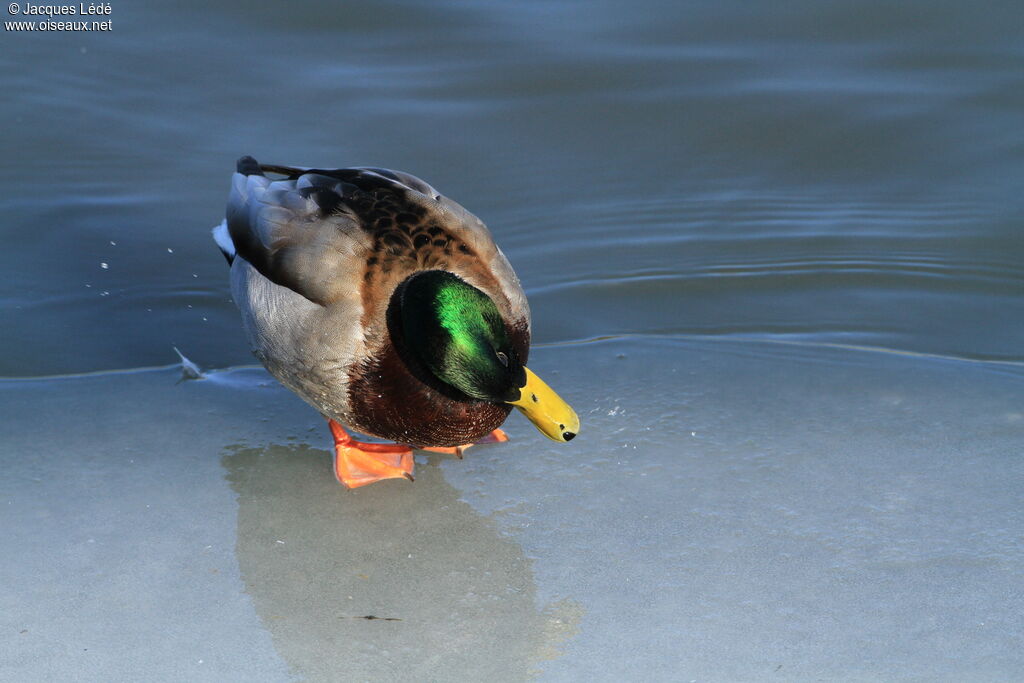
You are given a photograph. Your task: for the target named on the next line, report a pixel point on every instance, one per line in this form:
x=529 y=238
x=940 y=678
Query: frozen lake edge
x=729 y=511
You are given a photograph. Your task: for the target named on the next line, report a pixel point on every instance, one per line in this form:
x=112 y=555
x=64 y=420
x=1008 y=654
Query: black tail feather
x=248 y=166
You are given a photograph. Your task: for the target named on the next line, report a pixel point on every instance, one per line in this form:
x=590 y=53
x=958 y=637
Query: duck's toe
x=355 y=467
x=497 y=436
x=357 y=463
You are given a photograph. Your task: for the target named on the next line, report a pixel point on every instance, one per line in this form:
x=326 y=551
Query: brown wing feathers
x=393 y=221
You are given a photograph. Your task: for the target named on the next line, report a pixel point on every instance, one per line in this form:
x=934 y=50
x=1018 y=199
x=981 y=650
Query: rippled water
x=828 y=172
x=786 y=184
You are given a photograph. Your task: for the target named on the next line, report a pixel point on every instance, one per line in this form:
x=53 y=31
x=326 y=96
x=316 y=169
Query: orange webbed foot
x=357 y=463
x=497 y=436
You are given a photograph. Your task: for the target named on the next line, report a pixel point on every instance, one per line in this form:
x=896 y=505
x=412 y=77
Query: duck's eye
x=503 y=358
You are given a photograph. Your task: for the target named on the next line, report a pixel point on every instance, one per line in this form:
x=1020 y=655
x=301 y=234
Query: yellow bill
x=546 y=410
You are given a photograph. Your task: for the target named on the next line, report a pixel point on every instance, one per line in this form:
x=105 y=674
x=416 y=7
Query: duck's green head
x=459 y=335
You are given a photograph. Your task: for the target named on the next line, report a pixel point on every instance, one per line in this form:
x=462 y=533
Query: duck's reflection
x=451 y=597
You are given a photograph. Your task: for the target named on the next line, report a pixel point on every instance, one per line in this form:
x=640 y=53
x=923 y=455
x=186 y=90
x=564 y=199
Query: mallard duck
x=388 y=308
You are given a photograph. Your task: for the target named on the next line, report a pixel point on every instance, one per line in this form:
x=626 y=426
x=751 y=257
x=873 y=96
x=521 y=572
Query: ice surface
x=730 y=511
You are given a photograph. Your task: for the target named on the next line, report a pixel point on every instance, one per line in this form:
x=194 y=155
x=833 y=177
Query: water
x=775 y=250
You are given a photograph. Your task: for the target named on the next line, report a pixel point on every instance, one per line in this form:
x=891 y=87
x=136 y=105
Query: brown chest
x=391 y=400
